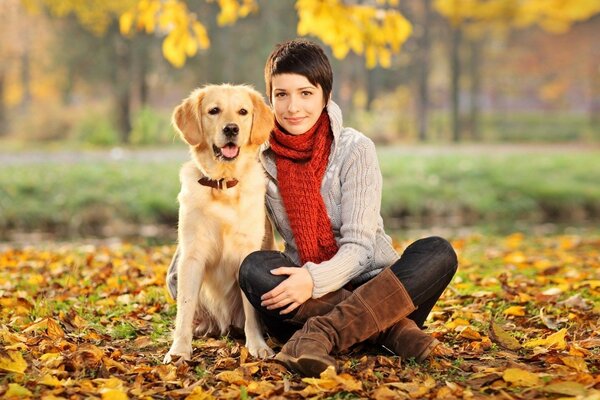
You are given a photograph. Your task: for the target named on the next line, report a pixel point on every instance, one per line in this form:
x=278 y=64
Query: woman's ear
x=262 y=120
x=186 y=119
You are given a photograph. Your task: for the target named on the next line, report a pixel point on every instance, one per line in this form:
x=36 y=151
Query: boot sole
x=305 y=365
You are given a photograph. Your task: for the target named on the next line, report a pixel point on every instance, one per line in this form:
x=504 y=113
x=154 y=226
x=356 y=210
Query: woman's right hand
x=292 y=292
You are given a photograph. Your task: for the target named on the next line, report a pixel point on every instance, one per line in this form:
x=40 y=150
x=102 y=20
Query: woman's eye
x=280 y=94
x=214 y=111
x=306 y=93
x=243 y=111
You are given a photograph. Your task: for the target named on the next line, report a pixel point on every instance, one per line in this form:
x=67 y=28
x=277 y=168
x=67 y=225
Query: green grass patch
x=503 y=191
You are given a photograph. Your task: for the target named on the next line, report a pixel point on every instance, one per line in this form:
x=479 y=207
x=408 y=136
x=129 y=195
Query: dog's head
x=224 y=121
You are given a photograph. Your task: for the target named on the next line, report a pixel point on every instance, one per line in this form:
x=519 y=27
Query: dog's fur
x=218 y=228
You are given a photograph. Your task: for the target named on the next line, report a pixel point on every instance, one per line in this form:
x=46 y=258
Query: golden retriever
x=222 y=215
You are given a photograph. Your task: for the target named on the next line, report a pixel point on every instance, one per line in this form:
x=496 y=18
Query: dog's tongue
x=230 y=151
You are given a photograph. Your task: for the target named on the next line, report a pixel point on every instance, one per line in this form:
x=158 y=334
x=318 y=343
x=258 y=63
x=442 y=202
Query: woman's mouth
x=295 y=120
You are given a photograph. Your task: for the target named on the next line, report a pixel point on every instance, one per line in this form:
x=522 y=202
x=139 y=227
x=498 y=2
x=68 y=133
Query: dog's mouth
x=228 y=152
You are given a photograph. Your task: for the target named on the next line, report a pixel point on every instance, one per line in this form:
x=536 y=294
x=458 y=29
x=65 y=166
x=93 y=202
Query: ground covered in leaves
x=522 y=317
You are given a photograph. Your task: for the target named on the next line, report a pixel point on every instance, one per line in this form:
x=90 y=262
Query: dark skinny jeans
x=425 y=268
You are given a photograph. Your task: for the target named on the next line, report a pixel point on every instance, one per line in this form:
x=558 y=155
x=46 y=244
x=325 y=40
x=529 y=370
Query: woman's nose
x=293 y=104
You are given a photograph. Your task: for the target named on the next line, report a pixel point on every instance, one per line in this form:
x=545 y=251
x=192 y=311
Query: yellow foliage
x=552 y=15
x=373 y=32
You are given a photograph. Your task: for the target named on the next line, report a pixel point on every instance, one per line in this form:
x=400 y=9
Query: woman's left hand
x=292 y=292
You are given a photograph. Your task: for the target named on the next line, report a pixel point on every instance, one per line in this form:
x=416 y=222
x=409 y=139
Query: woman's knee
x=445 y=250
x=255 y=271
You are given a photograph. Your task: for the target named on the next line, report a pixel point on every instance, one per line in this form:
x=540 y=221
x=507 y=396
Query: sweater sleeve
x=361 y=184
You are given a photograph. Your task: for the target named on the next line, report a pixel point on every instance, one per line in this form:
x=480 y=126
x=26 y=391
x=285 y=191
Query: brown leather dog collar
x=217 y=184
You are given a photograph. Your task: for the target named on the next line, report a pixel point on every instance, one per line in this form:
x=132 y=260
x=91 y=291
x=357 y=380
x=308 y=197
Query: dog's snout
x=231 y=130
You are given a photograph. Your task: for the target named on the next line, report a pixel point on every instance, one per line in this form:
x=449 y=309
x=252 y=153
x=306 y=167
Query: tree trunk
x=122 y=87
x=455 y=82
x=424 y=54
x=475 y=88
x=26 y=76
x=3 y=120
x=594 y=90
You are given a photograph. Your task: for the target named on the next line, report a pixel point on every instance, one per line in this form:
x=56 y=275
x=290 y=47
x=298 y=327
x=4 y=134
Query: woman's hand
x=292 y=292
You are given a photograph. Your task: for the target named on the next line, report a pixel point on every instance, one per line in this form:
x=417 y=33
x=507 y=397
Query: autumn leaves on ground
x=522 y=316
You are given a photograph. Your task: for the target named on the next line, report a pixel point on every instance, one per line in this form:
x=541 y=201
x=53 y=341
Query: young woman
x=339 y=281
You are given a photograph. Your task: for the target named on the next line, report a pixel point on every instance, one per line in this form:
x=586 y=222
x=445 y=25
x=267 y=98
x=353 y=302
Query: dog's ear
x=262 y=120
x=186 y=118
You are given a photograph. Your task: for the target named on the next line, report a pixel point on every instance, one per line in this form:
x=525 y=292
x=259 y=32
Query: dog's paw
x=259 y=350
x=177 y=356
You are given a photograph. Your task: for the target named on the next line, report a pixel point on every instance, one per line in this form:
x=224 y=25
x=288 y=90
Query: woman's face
x=297 y=103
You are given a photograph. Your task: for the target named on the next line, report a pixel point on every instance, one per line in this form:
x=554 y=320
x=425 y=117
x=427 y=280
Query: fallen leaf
x=234 y=377
x=16 y=390
x=470 y=333
x=577 y=363
x=568 y=388
x=199 y=394
x=520 y=377
x=517 y=311
x=555 y=341
x=503 y=338
x=12 y=361
x=576 y=301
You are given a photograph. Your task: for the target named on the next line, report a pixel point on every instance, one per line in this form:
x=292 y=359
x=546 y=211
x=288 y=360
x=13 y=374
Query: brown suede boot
x=372 y=308
x=320 y=306
x=406 y=339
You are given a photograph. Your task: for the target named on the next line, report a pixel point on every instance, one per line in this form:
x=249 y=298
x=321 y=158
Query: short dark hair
x=302 y=57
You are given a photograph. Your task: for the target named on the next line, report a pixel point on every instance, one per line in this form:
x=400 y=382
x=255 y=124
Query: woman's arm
x=361 y=184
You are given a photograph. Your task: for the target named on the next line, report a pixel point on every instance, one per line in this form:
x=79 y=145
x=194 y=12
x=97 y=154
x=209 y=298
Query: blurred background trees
x=107 y=73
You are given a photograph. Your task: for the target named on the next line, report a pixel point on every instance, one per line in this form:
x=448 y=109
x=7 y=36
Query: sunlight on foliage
x=363 y=29
x=555 y=16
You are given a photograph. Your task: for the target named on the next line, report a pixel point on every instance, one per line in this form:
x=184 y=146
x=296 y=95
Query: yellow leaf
x=567 y=388
x=16 y=390
x=577 y=363
x=234 y=377
x=556 y=341
x=199 y=394
x=260 y=388
x=330 y=380
x=520 y=377
x=114 y=394
x=470 y=333
x=503 y=338
x=49 y=380
x=12 y=361
x=457 y=322
x=518 y=311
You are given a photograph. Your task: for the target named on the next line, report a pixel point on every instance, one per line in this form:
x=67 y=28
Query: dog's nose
x=231 y=130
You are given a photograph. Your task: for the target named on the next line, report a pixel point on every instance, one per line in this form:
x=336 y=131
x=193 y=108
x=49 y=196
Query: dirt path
x=180 y=154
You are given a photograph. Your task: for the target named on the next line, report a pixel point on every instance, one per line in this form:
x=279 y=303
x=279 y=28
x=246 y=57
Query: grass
x=450 y=188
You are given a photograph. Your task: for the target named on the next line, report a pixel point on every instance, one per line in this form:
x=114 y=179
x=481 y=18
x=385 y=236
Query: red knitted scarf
x=301 y=162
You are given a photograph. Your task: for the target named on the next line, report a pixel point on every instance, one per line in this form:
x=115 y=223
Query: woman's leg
x=425 y=269
x=255 y=279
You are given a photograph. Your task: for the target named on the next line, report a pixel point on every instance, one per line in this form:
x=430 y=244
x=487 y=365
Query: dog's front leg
x=189 y=276
x=255 y=343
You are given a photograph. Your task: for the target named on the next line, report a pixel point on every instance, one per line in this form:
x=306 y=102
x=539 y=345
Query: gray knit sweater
x=351 y=189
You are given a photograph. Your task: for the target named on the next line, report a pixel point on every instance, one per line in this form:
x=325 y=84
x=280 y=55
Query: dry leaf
x=567 y=388
x=503 y=338
x=12 y=361
x=577 y=363
x=555 y=341
x=16 y=391
x=518 y=311
x=520 y=377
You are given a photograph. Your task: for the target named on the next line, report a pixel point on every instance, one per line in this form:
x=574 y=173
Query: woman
x=339 y=281
x=324 y=197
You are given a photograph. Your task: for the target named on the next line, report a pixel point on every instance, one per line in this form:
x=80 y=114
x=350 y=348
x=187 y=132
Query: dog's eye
x=243 y=111
x=214 y=111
